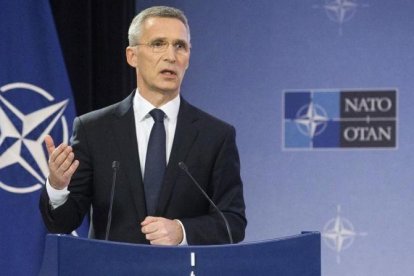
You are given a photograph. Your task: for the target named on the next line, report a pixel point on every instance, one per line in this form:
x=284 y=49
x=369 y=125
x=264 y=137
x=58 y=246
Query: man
x=176 y=213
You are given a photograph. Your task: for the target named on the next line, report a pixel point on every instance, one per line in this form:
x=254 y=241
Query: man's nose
x=170 y=53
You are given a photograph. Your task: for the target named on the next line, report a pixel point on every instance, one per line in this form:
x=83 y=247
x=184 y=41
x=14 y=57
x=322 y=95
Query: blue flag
x=35 y=100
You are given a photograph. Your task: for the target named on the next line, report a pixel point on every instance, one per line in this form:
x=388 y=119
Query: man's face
x=161 y=71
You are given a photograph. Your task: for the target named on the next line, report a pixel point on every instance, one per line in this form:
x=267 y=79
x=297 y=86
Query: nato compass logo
x=341 y=11
x=339 y=234
x=27 y=114
x=321 y=119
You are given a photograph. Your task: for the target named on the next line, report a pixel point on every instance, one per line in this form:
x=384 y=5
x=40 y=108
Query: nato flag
x=35 y=100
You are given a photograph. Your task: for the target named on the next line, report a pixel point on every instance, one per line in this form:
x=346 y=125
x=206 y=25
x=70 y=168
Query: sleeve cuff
x=184 y=241
x=56 y=197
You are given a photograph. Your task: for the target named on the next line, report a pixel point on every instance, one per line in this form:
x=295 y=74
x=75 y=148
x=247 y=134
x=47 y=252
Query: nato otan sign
x=328 y=119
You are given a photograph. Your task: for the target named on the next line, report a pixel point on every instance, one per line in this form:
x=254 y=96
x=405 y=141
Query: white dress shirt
x=144 y=123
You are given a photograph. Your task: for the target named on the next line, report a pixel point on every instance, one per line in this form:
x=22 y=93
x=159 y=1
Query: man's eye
x=158 y=44
x=181 y=45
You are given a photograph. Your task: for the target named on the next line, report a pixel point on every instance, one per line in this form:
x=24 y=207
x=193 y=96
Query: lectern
x=298 y=255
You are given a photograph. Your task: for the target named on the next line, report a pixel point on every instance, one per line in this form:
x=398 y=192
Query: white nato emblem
x=311 y=120
x=340 y=11
x=339 y=234
x=27 y=134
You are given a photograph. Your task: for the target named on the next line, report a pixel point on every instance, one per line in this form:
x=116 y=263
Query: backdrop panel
x=247 y=55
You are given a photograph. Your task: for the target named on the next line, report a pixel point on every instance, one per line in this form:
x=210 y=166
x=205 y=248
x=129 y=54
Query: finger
x=150 y=228
x=67 y=162
x=154 y=236
x=71 y=170
x=50 y=145
x=63 y=156
x=57 y=152
x=162 y=241
x=149 y=220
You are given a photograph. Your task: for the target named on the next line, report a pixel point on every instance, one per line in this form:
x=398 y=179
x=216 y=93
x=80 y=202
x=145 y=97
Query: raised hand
x=62 y=163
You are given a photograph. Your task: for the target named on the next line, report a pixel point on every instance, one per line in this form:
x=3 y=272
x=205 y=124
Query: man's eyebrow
x=158 y=38
x=174 y=40
x=181 y=41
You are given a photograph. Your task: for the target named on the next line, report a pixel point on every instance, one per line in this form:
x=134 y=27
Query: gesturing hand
x=62 y=163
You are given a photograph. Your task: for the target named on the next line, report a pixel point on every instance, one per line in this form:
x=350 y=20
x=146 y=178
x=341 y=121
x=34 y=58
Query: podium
x=298 y=255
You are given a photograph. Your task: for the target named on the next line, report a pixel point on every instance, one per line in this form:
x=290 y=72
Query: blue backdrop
x=246 y=54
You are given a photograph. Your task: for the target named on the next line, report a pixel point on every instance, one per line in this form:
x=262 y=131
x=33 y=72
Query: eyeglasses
x=160 y=46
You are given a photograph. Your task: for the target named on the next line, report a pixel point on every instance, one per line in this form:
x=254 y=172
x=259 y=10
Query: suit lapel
x=185 y=135
x=125 y=135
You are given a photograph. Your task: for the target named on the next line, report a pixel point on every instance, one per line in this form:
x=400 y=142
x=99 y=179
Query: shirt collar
x=142 y=107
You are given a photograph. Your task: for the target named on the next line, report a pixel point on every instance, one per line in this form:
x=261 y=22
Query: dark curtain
x=93 y=36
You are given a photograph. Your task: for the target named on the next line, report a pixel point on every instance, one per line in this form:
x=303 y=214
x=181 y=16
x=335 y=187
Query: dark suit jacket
x=206 y=144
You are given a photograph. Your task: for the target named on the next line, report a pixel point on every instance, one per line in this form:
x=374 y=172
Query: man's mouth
x=168 y=72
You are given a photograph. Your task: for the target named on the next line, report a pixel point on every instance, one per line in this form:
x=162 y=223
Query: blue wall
x=247 y=53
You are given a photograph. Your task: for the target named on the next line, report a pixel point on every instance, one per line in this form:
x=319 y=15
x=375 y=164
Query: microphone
x=184 y=167
x=115 y=167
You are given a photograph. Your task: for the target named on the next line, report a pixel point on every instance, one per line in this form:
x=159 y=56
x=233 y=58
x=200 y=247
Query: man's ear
x=131 y=57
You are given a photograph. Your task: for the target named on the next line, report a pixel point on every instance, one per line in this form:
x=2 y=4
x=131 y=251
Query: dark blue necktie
x=155 y=162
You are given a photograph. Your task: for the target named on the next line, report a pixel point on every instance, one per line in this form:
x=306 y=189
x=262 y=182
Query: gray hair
x=135 y=28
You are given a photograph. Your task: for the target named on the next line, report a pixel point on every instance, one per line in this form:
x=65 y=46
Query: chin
x=169 y=88
x=166 y=90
